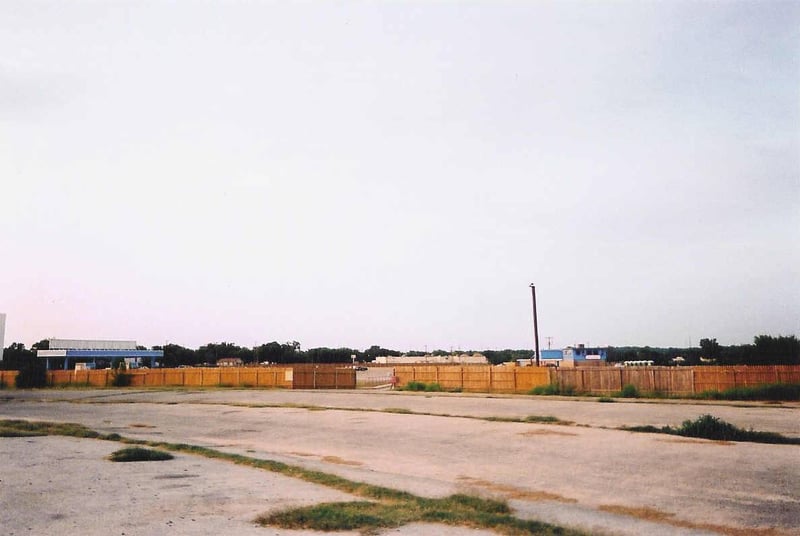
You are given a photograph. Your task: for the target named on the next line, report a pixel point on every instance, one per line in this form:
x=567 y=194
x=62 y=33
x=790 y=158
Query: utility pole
x=535 y=323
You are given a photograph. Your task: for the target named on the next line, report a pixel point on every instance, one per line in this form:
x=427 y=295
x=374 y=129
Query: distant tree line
x=765 y=350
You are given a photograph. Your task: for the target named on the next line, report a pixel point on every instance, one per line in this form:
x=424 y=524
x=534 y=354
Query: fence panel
x=449 y=377
x=228 y=376
x=404 y=374
x=248 y=377
x=324 y=377
x=713 y=378
x=526 y=378
x=275 y=377
x=138 y=378
x=674 y=381
x=98 y=378
x=427 y=373
x=476 y=378
x=502 y=379
x=173 y=377
x=59 y=377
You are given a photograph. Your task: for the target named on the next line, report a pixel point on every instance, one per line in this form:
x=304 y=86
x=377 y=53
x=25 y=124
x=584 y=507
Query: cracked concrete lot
x=586 y=474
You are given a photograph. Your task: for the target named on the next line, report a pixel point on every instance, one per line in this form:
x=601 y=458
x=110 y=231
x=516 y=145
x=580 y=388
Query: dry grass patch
x=340 y=461
x=540 y=432
x=668 y=518
x=513 y=492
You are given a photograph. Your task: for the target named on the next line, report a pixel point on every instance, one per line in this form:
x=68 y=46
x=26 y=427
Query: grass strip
x=778 y=392
x=710 y=427
x=386 y=507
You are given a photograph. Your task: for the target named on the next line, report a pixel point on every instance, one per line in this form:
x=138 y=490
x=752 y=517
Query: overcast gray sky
x=397 y=173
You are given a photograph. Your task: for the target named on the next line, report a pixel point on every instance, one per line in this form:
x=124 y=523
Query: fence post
x=490 y=378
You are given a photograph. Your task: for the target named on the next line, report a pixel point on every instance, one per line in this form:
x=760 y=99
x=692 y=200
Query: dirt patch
x=546 y=432
x=140 y=425
x=693 y=441
x=668 y=518
x=513 y=492
x=339 y=461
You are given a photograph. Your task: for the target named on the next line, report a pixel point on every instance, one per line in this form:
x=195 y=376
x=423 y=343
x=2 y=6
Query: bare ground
x=588 y=475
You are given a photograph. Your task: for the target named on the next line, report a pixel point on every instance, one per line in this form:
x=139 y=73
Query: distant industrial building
x=458 y=359
x=74 y=351
x=574 y=356
x=230 y=362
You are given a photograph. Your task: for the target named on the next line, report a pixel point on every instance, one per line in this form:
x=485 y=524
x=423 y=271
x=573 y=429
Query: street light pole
x=535 y=323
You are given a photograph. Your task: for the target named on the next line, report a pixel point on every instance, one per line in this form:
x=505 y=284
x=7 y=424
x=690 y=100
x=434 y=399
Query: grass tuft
x=139 y=454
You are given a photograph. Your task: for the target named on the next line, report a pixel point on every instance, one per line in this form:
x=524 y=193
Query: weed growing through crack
x=139 y=454
x=710 y=427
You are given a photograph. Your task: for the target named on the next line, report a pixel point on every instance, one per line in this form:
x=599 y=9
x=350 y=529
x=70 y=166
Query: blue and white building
x=574 y=356
x=74 y=351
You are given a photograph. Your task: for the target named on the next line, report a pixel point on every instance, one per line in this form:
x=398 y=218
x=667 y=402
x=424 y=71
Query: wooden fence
x=324 y=377
x=8 y=378
x=669 y=381
x=186 y=377
x=474 y=378
x=721 y=378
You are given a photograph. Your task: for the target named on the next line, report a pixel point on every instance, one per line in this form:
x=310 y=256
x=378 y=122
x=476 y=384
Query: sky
x=346 y=174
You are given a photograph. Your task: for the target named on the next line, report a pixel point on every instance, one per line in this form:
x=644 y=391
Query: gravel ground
x=588 y=475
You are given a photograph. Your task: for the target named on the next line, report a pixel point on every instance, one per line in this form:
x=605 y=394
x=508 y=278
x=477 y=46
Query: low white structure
x=457 y=359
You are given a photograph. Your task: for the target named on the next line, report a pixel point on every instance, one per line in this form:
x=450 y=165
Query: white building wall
x=2 y=334
x=79 y=344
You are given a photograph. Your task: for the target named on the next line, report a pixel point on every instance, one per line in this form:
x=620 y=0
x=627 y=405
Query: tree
x=779 y=350
x=710 y=348
x=16 y=356
x=176 y=355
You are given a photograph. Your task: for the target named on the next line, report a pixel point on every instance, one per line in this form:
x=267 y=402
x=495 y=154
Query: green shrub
x=629 y=391
x=139 y=454
x=553 y=389
x=415 y=386
x=710 y=427
x=433 y=387
x=605 y=399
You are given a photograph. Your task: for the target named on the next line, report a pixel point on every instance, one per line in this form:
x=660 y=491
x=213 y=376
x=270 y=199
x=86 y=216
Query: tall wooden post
x=535 y=323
